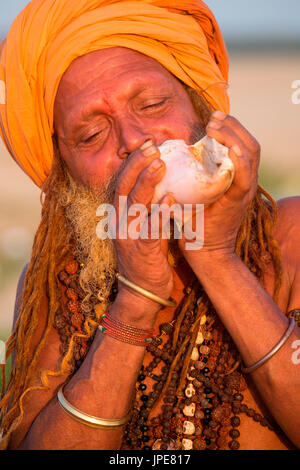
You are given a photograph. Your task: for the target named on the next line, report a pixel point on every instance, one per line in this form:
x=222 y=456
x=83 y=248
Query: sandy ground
x=260 y=91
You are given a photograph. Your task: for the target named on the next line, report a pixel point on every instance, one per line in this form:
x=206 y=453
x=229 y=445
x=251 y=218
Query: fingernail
x=214 y=124
x=146 y=144
x=219 y=115
x=237 y=150
x=155 y=165
x=150 y=151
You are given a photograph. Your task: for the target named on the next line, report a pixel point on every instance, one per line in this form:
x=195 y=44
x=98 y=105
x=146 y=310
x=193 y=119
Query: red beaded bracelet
x=123 y=332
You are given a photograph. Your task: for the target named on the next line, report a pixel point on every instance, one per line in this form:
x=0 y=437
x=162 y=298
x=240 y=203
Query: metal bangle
x=273 y=351
x=146 y=293
x=89 y=420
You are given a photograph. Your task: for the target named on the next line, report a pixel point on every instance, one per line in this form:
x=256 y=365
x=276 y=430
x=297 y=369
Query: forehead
x=108 y=70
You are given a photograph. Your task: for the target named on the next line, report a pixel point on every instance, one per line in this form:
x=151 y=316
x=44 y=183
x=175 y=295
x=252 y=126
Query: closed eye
x=153 y=105
x=91 y=138
x=100 y=134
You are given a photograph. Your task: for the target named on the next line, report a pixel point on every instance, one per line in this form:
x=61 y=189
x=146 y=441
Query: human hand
x=223 y=218
x=142 y=261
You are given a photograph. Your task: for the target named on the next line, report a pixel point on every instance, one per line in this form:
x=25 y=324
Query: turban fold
x=48 y=35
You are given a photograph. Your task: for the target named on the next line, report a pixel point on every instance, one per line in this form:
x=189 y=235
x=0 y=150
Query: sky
x=258 y=19
x=246 y=19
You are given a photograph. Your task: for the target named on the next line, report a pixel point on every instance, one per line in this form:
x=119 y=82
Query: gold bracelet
x=273 y=351
x=146 y=293
x=89 y=420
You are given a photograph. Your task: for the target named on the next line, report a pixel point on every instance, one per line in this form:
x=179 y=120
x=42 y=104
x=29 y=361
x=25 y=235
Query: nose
x=131 y=137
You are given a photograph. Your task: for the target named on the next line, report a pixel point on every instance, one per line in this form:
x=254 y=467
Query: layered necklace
x=196 y=383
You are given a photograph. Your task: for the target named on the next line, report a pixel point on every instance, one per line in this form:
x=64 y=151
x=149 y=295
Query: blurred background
x=263 y=40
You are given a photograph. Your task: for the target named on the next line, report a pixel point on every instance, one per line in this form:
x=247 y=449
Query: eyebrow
x=85 y=115
x=94 y=110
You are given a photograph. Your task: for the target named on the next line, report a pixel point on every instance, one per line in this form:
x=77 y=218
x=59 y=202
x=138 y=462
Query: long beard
x=97 y=256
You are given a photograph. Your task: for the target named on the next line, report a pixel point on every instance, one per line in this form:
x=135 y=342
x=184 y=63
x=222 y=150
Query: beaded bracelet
x=123 y=332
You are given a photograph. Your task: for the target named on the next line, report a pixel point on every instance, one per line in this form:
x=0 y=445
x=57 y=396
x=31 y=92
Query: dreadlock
x=255 y=246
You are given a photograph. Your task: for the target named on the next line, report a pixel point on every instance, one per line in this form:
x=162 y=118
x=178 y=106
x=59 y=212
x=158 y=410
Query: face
x=109 y=103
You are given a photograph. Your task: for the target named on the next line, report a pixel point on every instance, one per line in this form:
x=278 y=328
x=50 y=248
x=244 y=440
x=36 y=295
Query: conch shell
x=195 y=174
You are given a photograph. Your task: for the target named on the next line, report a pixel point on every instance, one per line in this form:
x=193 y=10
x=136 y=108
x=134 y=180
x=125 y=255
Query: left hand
x=223 y=218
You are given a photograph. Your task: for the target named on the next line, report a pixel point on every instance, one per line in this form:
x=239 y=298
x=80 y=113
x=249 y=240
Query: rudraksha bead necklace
x=200 y=412
x=202 y=415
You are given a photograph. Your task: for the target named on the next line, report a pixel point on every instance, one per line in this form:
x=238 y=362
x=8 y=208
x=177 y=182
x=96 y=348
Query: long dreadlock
x=255 y=246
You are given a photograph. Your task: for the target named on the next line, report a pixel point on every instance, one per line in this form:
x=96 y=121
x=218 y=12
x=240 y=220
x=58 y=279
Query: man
x=100 y=110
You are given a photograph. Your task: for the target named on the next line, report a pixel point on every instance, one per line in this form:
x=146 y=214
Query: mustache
x=197 y=133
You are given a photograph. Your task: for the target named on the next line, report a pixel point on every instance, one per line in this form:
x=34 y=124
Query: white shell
x=196 y=174
x=188 y=428
x=189 y=410
x=187 y=444
x=188 y=376
x=190 y=390
x=195 y=354
x=199 y=339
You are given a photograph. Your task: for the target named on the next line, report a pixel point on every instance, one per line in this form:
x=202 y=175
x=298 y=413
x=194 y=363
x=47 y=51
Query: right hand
x=142 y=261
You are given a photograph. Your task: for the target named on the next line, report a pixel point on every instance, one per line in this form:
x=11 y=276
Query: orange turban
x=49 y=34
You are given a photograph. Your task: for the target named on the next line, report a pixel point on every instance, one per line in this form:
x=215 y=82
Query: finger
x=137 y=161
x=243 y=181
x=159 y=219
x=238 y=128
x=245 y=162
x=143 y=190
x=226 y=136
x=139 y=199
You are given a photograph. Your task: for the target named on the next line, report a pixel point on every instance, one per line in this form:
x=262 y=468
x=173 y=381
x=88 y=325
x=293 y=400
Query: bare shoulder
x=288 y=226
x=287 y=234
x=289 y=208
